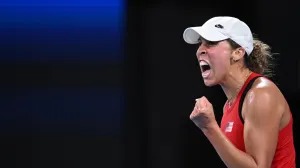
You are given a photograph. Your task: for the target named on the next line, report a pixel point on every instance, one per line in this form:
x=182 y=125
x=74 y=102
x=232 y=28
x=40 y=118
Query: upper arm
x=262 y=115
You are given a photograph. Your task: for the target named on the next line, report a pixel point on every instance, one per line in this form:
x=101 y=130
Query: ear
x=238 y=54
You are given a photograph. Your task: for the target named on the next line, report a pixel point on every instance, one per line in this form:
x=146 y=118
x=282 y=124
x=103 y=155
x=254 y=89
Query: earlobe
x=235 y=56
x=238 y=54
x=235 y=59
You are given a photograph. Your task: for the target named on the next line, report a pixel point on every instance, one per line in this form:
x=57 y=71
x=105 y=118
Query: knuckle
x=191 y=117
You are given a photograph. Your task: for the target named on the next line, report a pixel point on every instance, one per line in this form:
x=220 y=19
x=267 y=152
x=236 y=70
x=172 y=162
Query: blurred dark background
x=111 y=83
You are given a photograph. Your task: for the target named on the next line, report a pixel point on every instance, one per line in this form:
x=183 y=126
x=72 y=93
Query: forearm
x=231 y=156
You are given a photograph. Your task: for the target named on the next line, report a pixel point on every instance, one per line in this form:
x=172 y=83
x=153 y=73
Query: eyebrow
x=200 y=39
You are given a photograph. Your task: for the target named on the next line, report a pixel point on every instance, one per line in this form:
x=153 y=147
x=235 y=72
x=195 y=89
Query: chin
x=210 y=83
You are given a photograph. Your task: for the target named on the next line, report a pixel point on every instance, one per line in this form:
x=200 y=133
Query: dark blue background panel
x=45 y=111
x=62 y=31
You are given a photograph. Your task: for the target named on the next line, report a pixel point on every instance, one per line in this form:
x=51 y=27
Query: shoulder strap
x=248 y=87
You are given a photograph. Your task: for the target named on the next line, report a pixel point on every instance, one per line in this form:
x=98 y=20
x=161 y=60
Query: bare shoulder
x=264 y=99
x=266 y=91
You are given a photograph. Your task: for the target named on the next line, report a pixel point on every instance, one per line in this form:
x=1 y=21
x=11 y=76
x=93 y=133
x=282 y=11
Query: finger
x=192 y=115
x=201 y=103
x=206 y=103
x=205 y=100
x=196 y=112
x=193 y=112
x=198 y=101
x=195 y=108
x=198 y=108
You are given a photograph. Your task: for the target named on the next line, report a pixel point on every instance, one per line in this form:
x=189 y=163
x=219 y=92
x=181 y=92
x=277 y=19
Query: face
x=214 y=59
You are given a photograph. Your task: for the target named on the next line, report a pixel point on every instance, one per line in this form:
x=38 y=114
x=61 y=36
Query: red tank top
x=232 y=126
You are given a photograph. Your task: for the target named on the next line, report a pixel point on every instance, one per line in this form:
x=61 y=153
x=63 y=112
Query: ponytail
x=259 y=61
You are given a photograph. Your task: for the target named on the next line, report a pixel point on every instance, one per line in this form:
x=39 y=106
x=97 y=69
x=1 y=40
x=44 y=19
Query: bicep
x=260 y=143
x=261 y=127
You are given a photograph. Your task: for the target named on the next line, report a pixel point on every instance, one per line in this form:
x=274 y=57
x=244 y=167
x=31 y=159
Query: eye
x=211 y=43
x=208 y=43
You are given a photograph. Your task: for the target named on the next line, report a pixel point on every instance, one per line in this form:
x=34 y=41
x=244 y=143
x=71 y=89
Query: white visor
x=192 y=35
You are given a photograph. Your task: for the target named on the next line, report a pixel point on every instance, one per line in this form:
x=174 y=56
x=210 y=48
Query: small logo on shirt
x=229 y=127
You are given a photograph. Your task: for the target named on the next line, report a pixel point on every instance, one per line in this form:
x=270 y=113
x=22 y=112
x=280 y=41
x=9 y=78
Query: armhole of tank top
x=248 y=87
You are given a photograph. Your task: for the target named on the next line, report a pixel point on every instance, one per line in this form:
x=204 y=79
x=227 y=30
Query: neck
x=233 y=83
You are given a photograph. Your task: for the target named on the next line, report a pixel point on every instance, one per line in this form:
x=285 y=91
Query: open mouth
x=204 y=66
x=205 y=69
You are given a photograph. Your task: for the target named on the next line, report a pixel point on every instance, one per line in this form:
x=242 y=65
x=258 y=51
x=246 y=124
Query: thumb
x=202 y=102
x=204 y=99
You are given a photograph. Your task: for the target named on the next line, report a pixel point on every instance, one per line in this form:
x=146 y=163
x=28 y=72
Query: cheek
x=221 y=66
x=220 y=62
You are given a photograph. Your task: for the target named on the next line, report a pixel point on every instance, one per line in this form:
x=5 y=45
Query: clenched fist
x=203 y=114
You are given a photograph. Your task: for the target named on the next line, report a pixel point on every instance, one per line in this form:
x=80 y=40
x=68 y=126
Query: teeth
x=203 y=63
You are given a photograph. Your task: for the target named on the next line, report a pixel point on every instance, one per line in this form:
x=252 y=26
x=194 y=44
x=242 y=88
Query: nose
x=201 y=51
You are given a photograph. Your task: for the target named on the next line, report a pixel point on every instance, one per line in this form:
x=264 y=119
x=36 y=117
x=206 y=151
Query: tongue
x=205 y=73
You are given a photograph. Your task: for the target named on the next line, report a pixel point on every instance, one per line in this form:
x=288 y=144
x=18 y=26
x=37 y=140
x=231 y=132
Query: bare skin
x=265 y=110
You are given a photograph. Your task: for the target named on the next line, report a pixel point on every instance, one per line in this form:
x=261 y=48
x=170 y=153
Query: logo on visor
x=219 y=26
